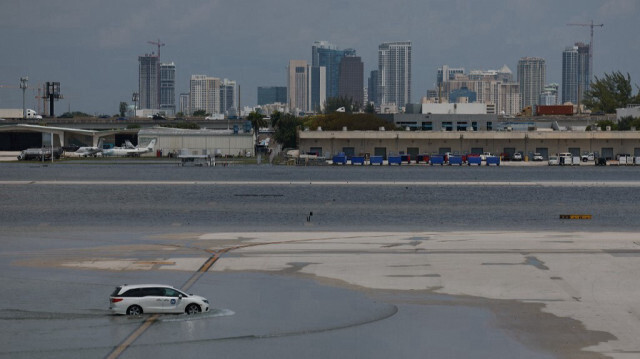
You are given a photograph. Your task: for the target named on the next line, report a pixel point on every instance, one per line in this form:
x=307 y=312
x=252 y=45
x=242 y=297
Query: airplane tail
x=128 y=144
x=100 y=143
x=151 y=145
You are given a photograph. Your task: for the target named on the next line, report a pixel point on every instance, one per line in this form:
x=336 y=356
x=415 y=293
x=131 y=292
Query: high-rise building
x=531 y=77
x=549 y=95
x=491 y=87
x=272 y=94
x=584 y=71
x=149 y=81
x=298 y=96
x=446 y=73
x=204 y=94
x=184 y=103
x=317 y=88
x=576 y=75
x=508 y=99
x=227 y=96
x=168 y=88
x=325 y=54
x=372 y=87
x=394 y=73
x=351 y=80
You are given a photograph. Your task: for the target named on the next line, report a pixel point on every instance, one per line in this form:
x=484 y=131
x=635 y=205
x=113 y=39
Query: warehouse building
x=204 y=141
x=385 y=143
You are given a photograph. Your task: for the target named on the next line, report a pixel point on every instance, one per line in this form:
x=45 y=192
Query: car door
x=153 y=300
x=173 y=302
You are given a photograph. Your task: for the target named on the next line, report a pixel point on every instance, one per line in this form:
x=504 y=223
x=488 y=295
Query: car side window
x=133 y=293
x=152 y=292
x=168 y=292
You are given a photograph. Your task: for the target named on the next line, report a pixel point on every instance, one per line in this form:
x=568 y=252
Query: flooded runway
x=448 y=266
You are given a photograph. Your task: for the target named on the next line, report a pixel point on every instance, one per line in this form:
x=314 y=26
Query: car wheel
x=192 y=309
x=134 y=310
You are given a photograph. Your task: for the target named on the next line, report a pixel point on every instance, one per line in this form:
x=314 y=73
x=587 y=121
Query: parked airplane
x=130 y=152
x=89 y=150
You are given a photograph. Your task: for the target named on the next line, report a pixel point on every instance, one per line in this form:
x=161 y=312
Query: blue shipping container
x=395 y=160
x=375 y=160
x=493 y=160
x=455 y=160
x=436 y=160
x=357 y=160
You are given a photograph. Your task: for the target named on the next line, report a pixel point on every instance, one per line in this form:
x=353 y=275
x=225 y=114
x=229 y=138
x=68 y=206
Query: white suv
x=154 y=298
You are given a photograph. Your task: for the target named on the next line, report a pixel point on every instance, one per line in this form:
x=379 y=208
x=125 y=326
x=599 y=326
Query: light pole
x=135 y=98
x=23 y=86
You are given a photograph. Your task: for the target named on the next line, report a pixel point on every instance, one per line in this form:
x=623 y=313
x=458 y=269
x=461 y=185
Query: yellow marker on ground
x=575 y=216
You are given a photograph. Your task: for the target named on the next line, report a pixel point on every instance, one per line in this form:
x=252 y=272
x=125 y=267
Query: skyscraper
x=184 y=103
x=570 y=75
x=149 y=81
x=446 y=73
x=394 y=73
x=272 y=94
x=227 y=96
x=576 y=75
x=317 y=88
x=373 y=87
x=531 y=77
x=204 y=94
x=350 y=84
x=168 y=88
x=298 y=96
x=325 y=54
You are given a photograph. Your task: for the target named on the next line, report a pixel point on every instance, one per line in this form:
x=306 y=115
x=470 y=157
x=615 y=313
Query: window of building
x=427 y=126
x=489 y=126
x=448 y=126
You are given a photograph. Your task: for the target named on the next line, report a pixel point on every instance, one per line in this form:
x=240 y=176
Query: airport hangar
x=223 y=142
x=384 y=143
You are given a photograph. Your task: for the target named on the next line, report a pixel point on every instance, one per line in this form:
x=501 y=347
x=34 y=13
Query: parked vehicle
x=587 y=156
x=565 y=159
x=40 y=154
x=538 y=157
x=554 y=161
x=484 y=156
x=155 y=298
x=517 y=156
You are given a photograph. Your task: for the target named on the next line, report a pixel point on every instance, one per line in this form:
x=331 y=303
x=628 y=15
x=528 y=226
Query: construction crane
x=157 y=43
x=591 y=25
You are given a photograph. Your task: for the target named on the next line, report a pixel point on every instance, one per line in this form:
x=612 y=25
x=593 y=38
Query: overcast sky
x=91 y=47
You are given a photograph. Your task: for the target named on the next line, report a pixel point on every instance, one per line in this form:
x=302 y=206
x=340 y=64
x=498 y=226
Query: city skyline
x=92 y=48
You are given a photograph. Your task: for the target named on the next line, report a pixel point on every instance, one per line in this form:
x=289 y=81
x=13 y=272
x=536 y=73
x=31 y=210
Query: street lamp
x=23 y=86
x=135 y=98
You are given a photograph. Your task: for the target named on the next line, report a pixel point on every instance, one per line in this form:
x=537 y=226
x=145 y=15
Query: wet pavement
x=331 y=284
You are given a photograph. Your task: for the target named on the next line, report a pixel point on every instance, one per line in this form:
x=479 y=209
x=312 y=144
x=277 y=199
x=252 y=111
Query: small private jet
x=89 y=151
x=129 y=150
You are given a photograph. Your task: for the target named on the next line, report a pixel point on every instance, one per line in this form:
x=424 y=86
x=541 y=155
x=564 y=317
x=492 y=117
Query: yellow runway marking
x=117 y=351
x=132 y=338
